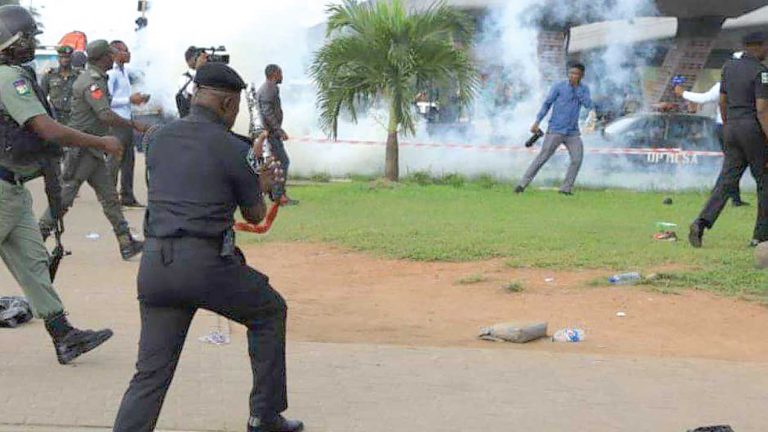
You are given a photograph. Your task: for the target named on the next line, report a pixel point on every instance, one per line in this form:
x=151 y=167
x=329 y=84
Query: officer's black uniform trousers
x=745 y=146
x=736 y=195
x=178 y=276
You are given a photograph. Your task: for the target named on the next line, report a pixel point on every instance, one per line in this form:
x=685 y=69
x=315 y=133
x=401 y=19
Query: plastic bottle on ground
x=625 y=278
x=569 y=335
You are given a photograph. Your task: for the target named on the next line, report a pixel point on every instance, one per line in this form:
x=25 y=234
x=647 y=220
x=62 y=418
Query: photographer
x=195 y=57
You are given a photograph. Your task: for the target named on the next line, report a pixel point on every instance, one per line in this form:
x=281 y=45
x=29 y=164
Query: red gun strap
x=260 y=229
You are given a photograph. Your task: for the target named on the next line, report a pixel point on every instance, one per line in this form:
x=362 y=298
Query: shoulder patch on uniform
x=96 y=92
x=764 y=77
x=21 y=86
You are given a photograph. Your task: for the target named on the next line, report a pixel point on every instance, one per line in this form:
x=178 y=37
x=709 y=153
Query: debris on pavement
x=570 y=335
x=713 y=429
x=514 y=332
x=14 y=311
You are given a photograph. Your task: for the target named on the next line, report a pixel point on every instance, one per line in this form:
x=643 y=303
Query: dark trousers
x=123 y=166
x=735 y=195
x=277 y=150
x=745 y=146
x=178 y=276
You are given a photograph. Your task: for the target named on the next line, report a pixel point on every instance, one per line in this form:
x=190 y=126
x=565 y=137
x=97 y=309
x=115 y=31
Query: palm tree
x=381 y=52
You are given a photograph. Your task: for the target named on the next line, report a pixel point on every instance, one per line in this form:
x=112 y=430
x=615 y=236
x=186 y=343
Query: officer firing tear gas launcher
x=30 y=147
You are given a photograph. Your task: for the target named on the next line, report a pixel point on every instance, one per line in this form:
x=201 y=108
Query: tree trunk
x=392 y=162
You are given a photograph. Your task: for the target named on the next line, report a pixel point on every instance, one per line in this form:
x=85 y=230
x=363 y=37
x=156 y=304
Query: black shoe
x=131 y=249
x=279 y=424
x=566 y=193
x=754 y=243
x=131 y=203
x=78 y=342
x=519 y=190
x=740 y=203
x=695 y=234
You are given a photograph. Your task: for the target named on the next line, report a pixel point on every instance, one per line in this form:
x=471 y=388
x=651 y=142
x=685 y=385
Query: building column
x=686 y=57
x=552 y=51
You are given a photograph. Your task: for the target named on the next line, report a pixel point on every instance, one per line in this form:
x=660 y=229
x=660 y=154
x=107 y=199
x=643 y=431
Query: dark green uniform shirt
x=90 y=97
x=18 y=99
x=58 y=88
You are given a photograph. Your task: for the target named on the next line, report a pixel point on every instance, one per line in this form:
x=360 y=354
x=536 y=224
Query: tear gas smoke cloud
x=258 y=33
x=506 y=50
x=255 y=33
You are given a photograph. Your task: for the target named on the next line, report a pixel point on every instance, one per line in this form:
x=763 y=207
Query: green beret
x=98 y=49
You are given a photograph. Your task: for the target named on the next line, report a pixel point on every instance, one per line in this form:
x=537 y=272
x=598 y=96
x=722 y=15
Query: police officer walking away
x=27 y=132
x=57 y=84
x=91 y=113
x=271 y=113
x=744 y=107
x=199 y=174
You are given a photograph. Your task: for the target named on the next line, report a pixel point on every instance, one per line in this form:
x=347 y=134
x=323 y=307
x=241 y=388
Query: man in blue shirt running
x=565 y=99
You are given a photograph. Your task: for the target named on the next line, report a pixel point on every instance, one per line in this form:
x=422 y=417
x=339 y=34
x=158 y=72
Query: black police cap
x=219 y=76
x=756 y=38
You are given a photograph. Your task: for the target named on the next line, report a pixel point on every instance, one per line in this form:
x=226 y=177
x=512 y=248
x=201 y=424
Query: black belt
x=180 y=243
x=11 y=177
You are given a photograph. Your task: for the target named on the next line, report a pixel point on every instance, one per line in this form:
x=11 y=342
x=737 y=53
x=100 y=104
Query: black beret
x=219 y=76
x=755 y=38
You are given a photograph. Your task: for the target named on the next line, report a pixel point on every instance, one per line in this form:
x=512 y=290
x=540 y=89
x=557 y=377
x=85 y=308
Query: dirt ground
x=340 y=296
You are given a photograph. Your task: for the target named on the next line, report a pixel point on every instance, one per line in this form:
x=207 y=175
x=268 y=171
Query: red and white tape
x=517 y=149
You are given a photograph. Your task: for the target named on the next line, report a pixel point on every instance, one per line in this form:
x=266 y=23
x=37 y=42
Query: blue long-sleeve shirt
x=565 y=101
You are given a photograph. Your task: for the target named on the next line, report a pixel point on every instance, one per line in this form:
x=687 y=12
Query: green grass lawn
x=610 y=229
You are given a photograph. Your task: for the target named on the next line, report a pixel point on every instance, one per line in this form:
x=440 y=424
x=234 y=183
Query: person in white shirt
x=122 y=98
x=713 y=96
x=195 y=57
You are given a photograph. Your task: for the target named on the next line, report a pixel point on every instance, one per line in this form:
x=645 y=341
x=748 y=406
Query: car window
x=694 y=133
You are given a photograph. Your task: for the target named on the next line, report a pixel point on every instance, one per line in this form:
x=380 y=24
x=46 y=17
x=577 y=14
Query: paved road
x=346 y=388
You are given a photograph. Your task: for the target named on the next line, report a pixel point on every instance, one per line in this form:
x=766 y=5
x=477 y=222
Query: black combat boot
x=696 y=233
x=71 y=343
x=129 y=247
x=277 y=424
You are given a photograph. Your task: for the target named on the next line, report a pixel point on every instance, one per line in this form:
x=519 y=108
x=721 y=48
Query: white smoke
x=255 y=33
x=259 y=33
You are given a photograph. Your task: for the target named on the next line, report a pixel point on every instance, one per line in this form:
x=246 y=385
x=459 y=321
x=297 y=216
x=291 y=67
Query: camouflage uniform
x=90 y=97
x=57 y=85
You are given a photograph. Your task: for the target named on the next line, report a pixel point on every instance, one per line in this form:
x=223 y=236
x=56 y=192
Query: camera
x=216 y=55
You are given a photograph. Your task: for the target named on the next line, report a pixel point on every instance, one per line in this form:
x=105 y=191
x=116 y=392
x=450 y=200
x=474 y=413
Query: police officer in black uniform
x=199 y=174
x=744 y=107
